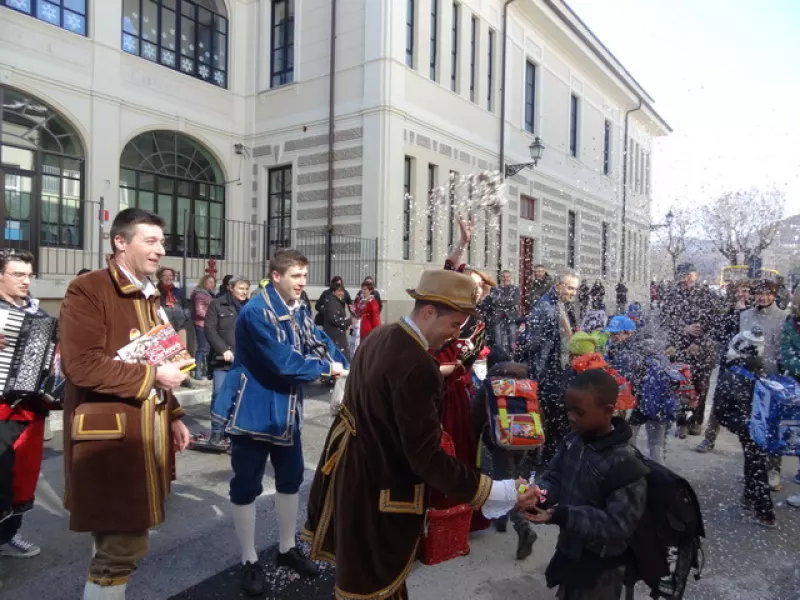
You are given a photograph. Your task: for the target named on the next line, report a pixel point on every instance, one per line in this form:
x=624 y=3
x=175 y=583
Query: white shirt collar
x=147 y=287
x=410 y=322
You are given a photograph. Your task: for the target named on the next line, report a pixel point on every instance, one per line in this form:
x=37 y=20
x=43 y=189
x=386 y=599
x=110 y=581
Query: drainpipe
x=502 y=128
x=625 y=192
x=331 y=98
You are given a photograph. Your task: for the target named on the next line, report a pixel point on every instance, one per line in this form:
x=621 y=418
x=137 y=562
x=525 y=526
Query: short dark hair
x=8 y=255
x=496 y=356
x=83 y=272
x=604 y=386
x=538 y=266
x=336 y=279
x=162 y=270
x=126 y=221
x=285 y=258
x=337 y=287
x=441 y=309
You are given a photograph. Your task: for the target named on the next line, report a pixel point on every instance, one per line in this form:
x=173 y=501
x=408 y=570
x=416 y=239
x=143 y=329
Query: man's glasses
x=21 y=276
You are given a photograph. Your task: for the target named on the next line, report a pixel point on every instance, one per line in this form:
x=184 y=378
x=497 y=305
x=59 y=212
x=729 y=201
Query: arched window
x=41 y=160
x=188 y=36
x=175 y=176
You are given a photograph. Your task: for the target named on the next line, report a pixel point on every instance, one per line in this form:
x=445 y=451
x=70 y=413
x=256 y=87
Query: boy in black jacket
x=596 y=523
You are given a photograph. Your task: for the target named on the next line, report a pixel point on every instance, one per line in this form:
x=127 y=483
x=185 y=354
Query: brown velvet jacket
x=367 y=505
x=118 y=458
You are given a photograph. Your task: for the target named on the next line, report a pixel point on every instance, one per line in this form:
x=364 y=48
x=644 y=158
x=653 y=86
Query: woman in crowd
x=201 y=299
x=455 y=363
x=367 y=309
x=790 y=361
x=220 y=330
x=335 y=320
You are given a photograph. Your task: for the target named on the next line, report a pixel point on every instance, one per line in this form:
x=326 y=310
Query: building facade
x=218 y=115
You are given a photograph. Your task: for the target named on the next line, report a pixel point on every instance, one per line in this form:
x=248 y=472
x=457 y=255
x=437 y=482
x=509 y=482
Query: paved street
x=192 y=554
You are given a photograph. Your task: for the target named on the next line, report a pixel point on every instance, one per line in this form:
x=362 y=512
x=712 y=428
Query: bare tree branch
x=673 y=236
x=741 y=225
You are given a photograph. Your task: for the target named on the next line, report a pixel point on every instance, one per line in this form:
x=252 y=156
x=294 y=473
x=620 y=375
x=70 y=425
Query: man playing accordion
x=22 y=418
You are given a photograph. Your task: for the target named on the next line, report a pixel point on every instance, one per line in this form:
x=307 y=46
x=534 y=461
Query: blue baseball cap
x=634 y=311
x=620 y=324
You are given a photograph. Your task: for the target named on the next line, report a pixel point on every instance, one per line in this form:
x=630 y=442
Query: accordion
x=26 y=363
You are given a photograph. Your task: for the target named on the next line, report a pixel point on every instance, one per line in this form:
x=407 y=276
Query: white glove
x=502 y=498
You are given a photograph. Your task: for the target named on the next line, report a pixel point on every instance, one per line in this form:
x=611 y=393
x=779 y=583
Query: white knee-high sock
x=244 y=520
x=286 y=505
x=92 y=591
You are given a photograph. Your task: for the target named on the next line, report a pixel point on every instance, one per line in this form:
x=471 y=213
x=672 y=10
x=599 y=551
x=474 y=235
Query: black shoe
x=253 y=582
x=297 y=562
x=527 y=537
x=501 y=524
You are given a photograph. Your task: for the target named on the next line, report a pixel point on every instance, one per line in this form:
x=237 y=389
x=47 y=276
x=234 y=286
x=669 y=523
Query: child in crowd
x=622 y=352
x=656 y=389
x=595 y=523
x=507 y=464
x=594 y=324
x=744 y=364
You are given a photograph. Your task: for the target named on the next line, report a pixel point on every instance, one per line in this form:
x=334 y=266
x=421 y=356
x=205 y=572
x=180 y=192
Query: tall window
x=430 y=230
x=648 y=189
x=410 y=33
x=175 y=176
x=190 y=37
x=281 y=57
x=434 y=37
x=641 y=170
x=530 y=96
x=409 y=162
x=635 y=166
x=473 y=48
x=487 y=239
x=451 y=209
x=454 y=48
x=490 y=73
x=42 y=188
x=67 y=14
x=279 y=207
x=571 y=233
x=573 y=125
x=527 y=208
x=607 y=147
x=604 y=250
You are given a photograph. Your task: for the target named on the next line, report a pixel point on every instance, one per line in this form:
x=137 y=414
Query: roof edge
x=588 y=37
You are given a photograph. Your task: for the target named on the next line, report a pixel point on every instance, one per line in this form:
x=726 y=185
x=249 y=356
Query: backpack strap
x=625 y=473
x=502 y=411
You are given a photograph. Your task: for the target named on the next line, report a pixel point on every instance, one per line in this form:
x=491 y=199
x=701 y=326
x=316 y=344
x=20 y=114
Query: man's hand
x=695 y=329
x=530 y=498
x=170 y=376
x=227 y=356
x=540 y=516
x=180 y=436
x=336 y=369
x=2 y=341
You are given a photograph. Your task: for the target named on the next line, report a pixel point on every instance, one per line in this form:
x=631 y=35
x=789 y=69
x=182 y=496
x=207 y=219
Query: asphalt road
x=193 y=555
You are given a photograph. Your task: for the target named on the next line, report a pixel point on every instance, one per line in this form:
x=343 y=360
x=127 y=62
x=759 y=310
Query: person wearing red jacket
x=369 y=309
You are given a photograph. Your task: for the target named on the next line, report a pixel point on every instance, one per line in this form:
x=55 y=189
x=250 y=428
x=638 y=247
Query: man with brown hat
x=367 y=505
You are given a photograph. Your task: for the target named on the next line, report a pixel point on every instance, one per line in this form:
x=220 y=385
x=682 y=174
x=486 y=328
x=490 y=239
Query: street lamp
x=668 y=218
x=536 y=149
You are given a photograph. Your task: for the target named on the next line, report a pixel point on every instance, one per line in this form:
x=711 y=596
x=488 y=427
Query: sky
x=725 y=74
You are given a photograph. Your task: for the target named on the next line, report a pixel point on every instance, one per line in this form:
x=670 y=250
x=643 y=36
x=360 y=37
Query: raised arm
x=467 y=227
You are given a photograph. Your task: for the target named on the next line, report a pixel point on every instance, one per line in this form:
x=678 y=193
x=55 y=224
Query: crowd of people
x=589 y=380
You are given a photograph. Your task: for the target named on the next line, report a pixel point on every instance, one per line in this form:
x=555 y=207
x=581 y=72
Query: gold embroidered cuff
x=177 y=412
x=147 y=384
x=482 y=495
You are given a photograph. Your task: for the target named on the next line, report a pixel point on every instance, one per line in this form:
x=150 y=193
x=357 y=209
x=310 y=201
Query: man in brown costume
x=122 y=423
x=367 y=506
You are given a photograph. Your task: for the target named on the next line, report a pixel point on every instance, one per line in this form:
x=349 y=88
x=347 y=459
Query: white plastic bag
x=337 y=395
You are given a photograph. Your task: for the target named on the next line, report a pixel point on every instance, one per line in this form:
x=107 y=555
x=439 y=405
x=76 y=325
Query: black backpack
x=666 y=546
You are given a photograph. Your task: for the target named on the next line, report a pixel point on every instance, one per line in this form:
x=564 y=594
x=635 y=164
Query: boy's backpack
x=625 y=398
x=513 y=409
x=686 y=392
x=659 y=393
x=733 y=398
x=666 y=545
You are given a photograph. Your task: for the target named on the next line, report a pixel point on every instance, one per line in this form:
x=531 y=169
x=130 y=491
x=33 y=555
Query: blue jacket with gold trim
x=276 y=352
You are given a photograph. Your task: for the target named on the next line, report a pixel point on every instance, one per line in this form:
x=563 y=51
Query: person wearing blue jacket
x=278 y=350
